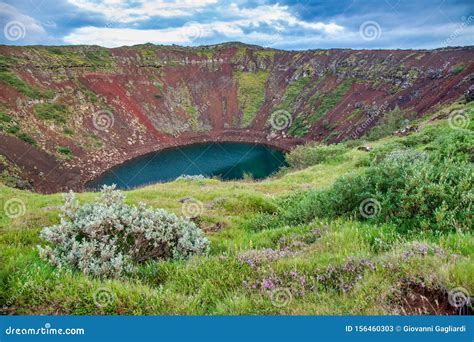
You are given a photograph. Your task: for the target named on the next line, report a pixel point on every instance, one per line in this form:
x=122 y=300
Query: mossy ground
x=348 y=266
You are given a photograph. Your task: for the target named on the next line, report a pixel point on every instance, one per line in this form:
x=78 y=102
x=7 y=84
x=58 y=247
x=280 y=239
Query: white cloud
x=242 y=19
x=111 y=37
x=279 y=17
x=121 y=11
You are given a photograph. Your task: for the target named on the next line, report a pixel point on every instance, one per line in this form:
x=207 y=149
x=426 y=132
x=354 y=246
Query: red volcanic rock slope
x=69 y=113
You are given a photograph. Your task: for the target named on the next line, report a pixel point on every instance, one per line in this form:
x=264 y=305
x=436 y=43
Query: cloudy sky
x=280 y=24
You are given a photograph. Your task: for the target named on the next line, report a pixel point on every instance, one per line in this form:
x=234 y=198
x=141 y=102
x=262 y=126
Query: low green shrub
x=354 y=143
x=457 y=69
x=409 y=188
x=5 y=118
x=109 y=238
x=65 y=150
x=26 y=138
x=313 y=153
x=68 y=131
x=454 y=145
x=379 y=152
x=13 y=129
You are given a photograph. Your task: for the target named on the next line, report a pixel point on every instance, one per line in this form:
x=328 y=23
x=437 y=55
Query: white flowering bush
x=108 y=237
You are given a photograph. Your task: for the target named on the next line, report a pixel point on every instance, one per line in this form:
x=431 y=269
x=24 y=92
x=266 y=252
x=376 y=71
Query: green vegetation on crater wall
x=51 y=111
x=354 y=114
x=12 y=80
x=14 y=129
x=302 y=123
x=330 y=100
x=292 y=91
x=6 y=62
x=5 y=117
x=9 y=172
x=97 y=57
x=300 y=127
x=265 y=54
x=65 y=150
x=148 y=53
x=10 y=126
x=458 y=68
x=185 y=101
x=239 y=54
x=206 y=53
x=26 y=138
x=250 y=93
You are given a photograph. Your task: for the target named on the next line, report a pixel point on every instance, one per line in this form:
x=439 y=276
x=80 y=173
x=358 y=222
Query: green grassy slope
x=323 y=265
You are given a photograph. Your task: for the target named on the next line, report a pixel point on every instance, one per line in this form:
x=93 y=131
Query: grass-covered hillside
x=342 y=230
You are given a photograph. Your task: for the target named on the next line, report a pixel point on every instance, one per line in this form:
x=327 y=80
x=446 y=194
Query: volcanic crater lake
x=228 y=161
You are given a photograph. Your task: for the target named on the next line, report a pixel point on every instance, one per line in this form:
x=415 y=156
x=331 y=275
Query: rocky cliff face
x=69 y=113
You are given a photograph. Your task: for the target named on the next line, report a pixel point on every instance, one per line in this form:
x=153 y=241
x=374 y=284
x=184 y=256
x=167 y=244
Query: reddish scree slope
x=120 y=103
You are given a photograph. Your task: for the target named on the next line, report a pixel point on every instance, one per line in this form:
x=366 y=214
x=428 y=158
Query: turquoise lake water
x=228 y=161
